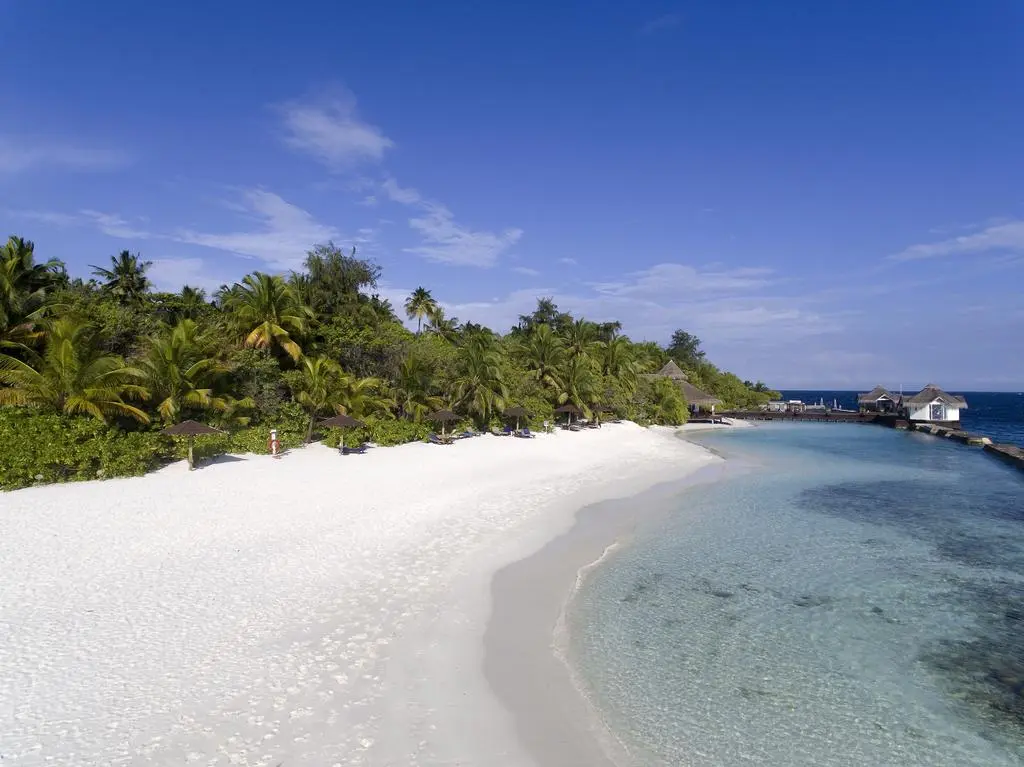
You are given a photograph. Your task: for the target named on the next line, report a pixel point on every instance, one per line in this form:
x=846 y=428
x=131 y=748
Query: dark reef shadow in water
x=980 y=531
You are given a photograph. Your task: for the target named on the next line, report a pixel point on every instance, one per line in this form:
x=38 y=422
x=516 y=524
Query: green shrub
x=41 y=448
x=381 y=431
x=659 y=401
x=291 y=425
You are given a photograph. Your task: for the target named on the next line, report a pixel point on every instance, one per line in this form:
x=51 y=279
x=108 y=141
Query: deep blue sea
x=999 y=415
x=852 y=596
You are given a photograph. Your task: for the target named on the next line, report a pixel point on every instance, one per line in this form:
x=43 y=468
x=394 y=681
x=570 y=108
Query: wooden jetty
x=1009 y=453
x=824 y=416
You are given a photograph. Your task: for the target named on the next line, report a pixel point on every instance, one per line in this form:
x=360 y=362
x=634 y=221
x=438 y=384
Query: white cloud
x=568 y=261
x=281 y=237
x=279 y=234
x=526 y=271
x=108 y=223
x=397 y=193
x=667 y=279
x=735 y=313
x=114 y=226
x=329 y=129
x=17 y=156
x=1005 y=236
x=172 y=274
x=446 y=242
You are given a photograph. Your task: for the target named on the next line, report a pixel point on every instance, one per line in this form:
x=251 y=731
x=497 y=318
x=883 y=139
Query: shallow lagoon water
x=855 y=597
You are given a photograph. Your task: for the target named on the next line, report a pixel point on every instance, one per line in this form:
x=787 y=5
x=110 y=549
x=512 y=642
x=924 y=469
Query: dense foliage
x=91 y=370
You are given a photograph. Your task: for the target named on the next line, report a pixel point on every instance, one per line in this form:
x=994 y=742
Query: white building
x=933 y=405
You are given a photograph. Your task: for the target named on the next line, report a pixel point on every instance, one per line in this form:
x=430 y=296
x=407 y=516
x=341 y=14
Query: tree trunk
x=309 y=431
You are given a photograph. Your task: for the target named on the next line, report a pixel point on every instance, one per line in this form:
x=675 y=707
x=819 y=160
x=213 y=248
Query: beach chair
x=525 y=433
x=508 y=431
x=440 y=440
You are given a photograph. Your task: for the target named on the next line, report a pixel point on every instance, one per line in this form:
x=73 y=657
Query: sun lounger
x=575 y=427
x=525 y=433
x=506 y=432
x=440 y=440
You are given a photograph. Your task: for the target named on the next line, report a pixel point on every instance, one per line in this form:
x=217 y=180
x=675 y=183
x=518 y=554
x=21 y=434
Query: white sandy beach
x=313 y=610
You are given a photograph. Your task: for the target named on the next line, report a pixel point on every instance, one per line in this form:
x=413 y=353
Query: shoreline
x=526 y=641
x=317 y=609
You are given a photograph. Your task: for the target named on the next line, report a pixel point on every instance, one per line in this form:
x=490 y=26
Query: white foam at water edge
x=614 y=748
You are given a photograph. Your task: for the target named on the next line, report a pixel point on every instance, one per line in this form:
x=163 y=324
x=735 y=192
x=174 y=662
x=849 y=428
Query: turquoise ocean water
x=852 y=596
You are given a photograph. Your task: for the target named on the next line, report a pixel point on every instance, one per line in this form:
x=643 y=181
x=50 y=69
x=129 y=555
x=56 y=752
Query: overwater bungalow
x=933 y=405
x=697 y=399
x=878 y=400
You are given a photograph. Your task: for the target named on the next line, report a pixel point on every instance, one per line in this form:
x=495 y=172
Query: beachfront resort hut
x=342 y=421
x=697 y=399
x=190 y=429
x=878 y=400
x=932 y=405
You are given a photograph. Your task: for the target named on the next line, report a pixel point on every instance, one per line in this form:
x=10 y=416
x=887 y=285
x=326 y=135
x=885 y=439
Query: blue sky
x=828 y=194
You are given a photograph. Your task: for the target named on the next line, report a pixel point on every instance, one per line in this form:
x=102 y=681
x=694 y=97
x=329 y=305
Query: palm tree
x=317 y=388
x=616 y=359
x=413 y=389
x=193 y=301
x=419 y=305
x=544 y=355
x=479 y=385
x=72 y=376
x=24 y=292
x=446 y=327
x=362 y=397
x=126 y=278
x=579 y=383
x=581 y=337
x=181 y=375
x=268 y=312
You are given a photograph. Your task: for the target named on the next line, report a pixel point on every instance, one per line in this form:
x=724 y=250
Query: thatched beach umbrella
x=342 y=421
x=569 y=408
x=442 y=417
x=190 y=429
x=517 y=413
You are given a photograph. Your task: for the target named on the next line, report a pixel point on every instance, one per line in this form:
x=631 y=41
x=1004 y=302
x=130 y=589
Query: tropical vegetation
x=92 y=369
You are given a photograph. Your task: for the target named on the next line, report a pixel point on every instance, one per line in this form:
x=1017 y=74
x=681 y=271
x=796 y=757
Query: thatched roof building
x=932 y=393
x=878 y=400
x=879 y=392
x=694 y=396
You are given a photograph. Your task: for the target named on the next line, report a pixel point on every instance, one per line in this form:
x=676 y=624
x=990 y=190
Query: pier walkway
x=1009 y=453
